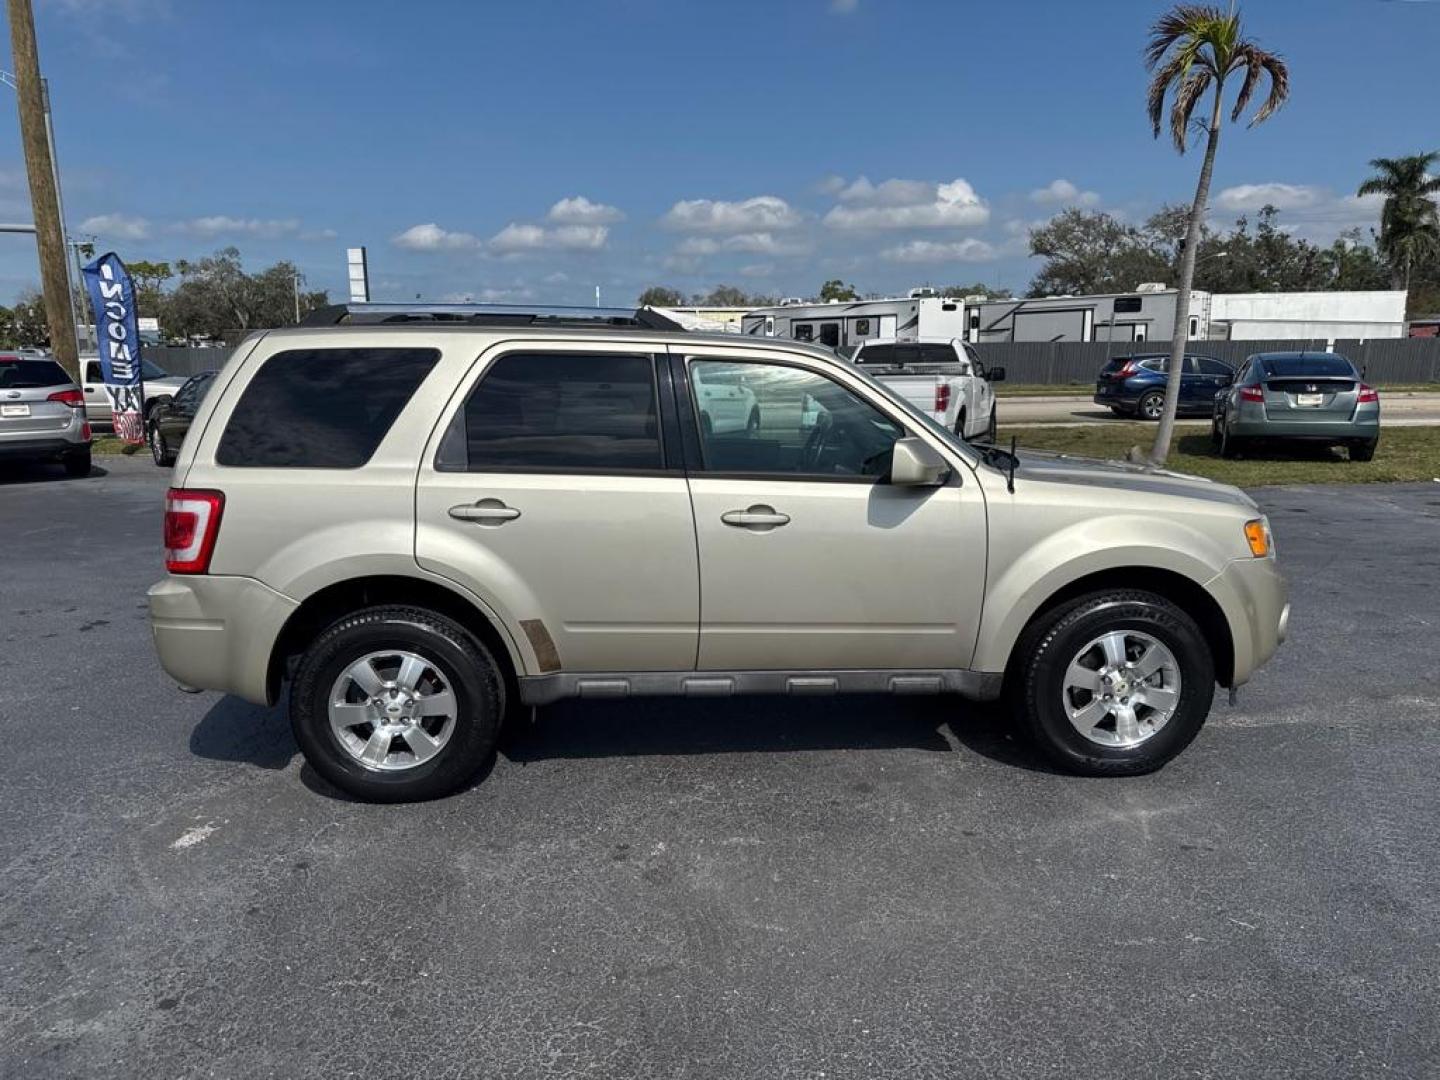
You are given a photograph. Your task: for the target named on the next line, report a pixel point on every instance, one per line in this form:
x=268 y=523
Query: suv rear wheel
x=397 y=704
x=1115 y=683
x=1151 y=406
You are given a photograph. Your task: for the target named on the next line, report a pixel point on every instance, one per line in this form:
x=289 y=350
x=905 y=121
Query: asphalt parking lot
x=852 y=888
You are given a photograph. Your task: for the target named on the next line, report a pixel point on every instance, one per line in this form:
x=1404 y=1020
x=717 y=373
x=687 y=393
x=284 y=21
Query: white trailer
x=847 y=324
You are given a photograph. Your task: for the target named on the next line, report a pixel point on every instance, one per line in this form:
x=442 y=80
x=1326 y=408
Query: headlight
x=1257 y=535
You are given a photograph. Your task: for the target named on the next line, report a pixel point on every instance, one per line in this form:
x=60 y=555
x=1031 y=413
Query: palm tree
x=1410 y=220
x=1195 y=48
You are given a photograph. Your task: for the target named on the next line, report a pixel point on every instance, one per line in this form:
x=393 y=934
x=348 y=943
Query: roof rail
x=595 y=318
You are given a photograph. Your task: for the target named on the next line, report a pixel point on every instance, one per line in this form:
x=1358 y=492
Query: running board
x=543 y=689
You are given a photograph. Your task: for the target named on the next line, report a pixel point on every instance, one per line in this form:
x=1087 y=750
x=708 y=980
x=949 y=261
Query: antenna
x=1014 y=460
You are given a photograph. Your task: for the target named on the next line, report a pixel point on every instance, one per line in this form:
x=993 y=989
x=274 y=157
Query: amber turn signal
x=1258 y=537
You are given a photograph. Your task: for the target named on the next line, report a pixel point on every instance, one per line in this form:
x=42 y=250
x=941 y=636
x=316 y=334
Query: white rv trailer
x=848 y=323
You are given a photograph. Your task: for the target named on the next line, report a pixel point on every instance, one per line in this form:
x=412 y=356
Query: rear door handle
x=484 y=512
x=759 y=517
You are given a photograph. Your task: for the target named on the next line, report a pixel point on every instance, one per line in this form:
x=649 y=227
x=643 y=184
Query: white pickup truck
x=940 y=376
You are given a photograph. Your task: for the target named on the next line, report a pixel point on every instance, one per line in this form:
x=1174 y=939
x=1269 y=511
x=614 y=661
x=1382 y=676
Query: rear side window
x=21 y=374
x=321 y=408
x=548 y=412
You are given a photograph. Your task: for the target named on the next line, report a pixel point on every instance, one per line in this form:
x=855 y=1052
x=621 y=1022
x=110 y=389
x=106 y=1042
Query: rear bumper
x=218 y=633
x=1252 y=421
x=41 y=446
x=1253 y=596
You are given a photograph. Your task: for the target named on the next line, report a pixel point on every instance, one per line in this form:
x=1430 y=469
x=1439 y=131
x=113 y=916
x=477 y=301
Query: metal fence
x=1384 y=360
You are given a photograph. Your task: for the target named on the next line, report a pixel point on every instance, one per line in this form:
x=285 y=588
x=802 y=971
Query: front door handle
x=484 y=512
x=759 y=517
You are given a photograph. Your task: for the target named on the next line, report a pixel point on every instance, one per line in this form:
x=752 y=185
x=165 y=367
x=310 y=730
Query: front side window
x=321 y=408
x=548 y=412
x=772 y=419
x=804 y=332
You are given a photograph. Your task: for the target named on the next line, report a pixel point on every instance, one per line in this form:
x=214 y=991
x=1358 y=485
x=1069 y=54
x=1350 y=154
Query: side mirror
x=995 y=374
x=915 y=463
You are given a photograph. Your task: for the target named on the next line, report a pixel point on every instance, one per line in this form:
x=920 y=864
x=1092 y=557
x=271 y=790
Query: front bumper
x=1253 y=596
x=218 y=633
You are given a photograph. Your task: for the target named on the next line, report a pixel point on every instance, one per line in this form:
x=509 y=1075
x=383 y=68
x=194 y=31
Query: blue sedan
x=1135 y=385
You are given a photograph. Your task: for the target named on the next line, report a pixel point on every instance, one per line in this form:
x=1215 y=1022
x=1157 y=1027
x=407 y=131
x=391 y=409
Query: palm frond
x=1181 y=21
x=1183 y=106
x=1279 y=74
x=1174 y=71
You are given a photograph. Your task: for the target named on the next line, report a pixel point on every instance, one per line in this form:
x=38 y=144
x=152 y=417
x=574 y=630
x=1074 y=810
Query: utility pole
x=44 y=198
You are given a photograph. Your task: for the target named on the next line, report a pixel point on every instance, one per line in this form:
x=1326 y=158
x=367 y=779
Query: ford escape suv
x=416 y=518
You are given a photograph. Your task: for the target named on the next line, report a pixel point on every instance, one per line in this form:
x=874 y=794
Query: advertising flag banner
x=112 y=295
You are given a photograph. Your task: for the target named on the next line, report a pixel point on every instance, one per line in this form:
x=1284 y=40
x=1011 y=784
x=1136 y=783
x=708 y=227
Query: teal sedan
x=1315 y=397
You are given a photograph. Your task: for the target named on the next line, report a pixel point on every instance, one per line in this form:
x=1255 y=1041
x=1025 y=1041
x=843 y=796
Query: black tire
x=467 y=667
x=78 y=463
x=1230 y=446
x=752 y=424
x=159 y=448
x=1151 y=402
x=1215 y=431
x=993 y=428
x=1364 y=451
x=1044 y=652
x=960 y=426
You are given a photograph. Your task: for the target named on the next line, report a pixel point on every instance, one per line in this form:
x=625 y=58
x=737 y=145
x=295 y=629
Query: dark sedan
x=1135 y=385
x=170 y=417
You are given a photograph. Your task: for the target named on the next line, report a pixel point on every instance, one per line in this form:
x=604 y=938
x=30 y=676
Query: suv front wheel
x=397 y=704
x=1112 y=684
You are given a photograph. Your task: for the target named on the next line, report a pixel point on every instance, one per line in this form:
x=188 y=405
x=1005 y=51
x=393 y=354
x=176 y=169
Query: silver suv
x=418 y=518
x=42 y=414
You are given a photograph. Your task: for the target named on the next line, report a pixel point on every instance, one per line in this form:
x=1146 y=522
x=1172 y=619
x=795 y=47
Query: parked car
x=415 y=523
x=42 y=414
x=940 y=376
x=1298 y=396
x=158 y=385
x=1135 y=385
x=169 y=418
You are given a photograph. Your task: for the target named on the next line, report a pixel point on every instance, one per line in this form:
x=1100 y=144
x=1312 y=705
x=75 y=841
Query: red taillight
x=1251 y=393
x=942 y=397
x=85 y=430
x=192 y=522
x=73 y=398
x=1368 y=395
x=1126 y=370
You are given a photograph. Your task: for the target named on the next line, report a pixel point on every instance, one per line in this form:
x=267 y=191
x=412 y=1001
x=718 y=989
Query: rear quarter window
x=321 y=408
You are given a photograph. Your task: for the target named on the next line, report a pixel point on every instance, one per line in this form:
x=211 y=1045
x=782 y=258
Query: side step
x=544 y=689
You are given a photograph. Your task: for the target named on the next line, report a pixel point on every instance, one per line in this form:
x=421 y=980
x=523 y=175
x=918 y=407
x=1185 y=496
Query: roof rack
x=594 y=318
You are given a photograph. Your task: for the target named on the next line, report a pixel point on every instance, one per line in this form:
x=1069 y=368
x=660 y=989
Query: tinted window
x=93 y=372
x=1212 y=367
x=1127 y=304
x=877 y=354
x=773 y=419
x=1156 y=363
x=1295 y=366
x=321 y=408
x=552 y=412
x=18 y=374
x=150 y=371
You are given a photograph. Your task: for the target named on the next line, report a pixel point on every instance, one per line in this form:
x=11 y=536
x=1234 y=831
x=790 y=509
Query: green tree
x=1195 y=48
x=24 y=326
x=661 y=296
x=1409 y=219
x=978 y=289
x=216 y=295
x=723 y=296
x=835 y=289
x=1090 y=251
x=150 y=279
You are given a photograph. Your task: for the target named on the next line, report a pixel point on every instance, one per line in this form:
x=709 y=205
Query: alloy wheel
x=1121 y=688
x=392 y=710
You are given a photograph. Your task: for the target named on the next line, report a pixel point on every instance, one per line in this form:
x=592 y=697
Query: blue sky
x=531 y=151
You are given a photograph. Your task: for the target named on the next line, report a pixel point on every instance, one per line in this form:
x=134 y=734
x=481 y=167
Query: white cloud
x=1280 y=196
x=887 y=192
x=491 y=295
x=758 y=243
x=931 y=251
x=515 y=238
x=431 y=237
x=757 y=270
x=579 y=210
x=843 y=7
x=931 y=206
x=1062 y=192
x=224 y=225
x=117 y=226
x=762 y=213
x=319 y=234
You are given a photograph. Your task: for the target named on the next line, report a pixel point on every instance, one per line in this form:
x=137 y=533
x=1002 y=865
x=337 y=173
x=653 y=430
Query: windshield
x=150 y=371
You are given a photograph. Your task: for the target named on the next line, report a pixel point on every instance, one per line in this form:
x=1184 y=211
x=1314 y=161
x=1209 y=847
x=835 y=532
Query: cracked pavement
x=754 y=888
